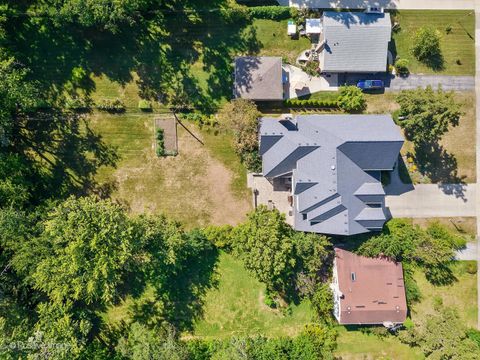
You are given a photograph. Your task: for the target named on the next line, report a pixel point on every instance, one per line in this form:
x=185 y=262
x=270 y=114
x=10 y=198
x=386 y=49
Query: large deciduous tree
x=265 y=245
x=427 y=114
x=90 y=242
x=241 y=116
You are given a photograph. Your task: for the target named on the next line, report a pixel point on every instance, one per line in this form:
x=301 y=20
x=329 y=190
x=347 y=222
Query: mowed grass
x=355 y=345
x=459 y=44
x=458 y=141
x=274 y=40
x=236 y=307
x=461 y=295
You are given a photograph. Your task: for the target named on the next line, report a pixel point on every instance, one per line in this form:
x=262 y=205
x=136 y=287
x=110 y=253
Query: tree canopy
x=427 y=114
x=426 y=47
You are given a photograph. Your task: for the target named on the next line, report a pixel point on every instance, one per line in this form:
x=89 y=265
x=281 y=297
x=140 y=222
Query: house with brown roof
x=368 y=290
x=258 y=78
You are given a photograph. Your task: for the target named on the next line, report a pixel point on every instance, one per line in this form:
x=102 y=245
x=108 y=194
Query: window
x=354 y=276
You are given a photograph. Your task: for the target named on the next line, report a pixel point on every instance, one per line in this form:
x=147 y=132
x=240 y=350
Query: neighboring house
x=368 y=290
x=354 y=42
x=258 y=78
x=331 y=166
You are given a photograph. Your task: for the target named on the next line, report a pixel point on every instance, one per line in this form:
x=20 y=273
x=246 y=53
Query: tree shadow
x=435 y=162
x=435 y=62
x=64 y=154
x=163 y=49
x=178 y=292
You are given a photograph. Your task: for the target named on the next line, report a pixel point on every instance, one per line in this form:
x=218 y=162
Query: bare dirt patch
x=192 y=187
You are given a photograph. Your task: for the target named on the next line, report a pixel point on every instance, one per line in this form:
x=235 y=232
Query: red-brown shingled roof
x=377 y=294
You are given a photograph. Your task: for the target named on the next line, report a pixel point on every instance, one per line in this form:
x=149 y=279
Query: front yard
x=458 y=44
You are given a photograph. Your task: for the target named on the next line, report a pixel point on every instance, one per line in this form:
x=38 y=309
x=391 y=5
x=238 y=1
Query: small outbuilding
x=258 y=78
x=368 y=290
x=313 y=26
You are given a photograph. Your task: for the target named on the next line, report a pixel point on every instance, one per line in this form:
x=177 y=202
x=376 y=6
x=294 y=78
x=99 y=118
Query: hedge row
x=311 y=103
x=272 y=12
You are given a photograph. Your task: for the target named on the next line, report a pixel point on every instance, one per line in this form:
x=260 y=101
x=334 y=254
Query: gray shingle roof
x=331 y=158
x=258 y=78
x=355 y=41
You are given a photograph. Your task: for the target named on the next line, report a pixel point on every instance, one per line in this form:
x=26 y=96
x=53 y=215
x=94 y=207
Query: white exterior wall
x=336 y=292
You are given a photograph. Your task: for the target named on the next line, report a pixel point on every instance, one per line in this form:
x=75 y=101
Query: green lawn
x=274 y=40
x=357 y=345
x=237 y=308
x=458 y=45
x=461 y=295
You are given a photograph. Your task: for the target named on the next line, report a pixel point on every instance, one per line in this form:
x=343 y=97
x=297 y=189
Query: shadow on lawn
x=64 y=154
x=179 y=291
x=161 y=48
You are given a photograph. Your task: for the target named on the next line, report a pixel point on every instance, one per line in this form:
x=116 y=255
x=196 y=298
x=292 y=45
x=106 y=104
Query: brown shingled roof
x=258 y=78
x=373 y=289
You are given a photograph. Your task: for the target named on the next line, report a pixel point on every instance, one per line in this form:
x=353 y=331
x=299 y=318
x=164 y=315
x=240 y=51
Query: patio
x=300 y=83
x=274 y=195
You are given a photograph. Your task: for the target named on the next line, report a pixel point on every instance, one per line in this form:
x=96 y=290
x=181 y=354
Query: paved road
x=477 y=91
x=387 y=4
x=448 y=82
x=430 y=200
x=460 y=83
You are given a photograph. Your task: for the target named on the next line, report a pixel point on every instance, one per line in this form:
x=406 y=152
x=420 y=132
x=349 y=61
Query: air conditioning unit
x=374 y=10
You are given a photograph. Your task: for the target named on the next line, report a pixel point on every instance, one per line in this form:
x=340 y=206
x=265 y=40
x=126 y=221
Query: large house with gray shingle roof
x=354 y=42
x=333 y=165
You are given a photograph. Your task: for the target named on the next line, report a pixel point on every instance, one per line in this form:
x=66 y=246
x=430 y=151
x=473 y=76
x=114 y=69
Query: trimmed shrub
x=111 y=106
x=160 y=142
x=310 y=103
x=270 y=12
x=351 y=99
x=401 y=66
x=145 y=105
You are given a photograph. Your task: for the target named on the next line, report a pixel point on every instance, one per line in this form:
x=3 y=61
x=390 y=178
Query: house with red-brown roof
x=368 y=290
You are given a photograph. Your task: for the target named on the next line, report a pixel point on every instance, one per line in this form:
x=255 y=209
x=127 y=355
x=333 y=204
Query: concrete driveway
x=434 y=200
x=300 y=83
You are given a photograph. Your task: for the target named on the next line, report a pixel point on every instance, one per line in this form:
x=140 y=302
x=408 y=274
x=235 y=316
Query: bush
x=269 y=301
x=220 y=236
x=471 y=267
x=401 y=66
x=160 y=142
x=271 y=12
x=145 y=105
x=111 y=106
x=201 y=120
x=351 y=99
x=448 y=29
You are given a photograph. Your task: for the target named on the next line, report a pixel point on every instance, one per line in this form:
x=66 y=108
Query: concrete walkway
x=434 y=200
x=459 y=83
x=300 y=83
x=387 y=4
